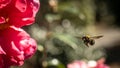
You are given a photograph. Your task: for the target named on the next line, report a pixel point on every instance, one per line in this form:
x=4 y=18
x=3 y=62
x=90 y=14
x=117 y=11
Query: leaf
x=64 y=39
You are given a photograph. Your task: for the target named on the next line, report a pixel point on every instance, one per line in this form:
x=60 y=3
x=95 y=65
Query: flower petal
x=16 y=45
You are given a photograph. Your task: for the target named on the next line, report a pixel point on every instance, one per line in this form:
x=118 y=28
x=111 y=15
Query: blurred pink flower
x=77 y=64
x=18 y=12
x=100 y=63
x=83 y=64
x=15 y=46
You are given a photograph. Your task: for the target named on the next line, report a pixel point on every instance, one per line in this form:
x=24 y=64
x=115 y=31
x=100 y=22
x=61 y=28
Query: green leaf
x=65 y=39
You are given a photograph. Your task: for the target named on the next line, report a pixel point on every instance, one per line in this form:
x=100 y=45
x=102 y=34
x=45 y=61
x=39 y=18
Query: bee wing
x=78 y=37
x=97 y=37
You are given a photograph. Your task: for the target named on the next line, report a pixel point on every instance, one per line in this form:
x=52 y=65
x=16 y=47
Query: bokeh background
x=59 y=23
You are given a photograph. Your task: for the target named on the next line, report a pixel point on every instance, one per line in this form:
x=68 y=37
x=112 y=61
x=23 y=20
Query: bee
x=88 y=40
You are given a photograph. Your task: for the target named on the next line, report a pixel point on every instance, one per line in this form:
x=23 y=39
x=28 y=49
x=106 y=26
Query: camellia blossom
x=18 y=12
x=15 y=46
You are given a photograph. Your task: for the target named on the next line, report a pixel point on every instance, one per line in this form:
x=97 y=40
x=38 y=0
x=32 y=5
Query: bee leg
x=87 y=44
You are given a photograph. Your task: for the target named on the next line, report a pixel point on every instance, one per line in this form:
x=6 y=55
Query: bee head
x=85 y=37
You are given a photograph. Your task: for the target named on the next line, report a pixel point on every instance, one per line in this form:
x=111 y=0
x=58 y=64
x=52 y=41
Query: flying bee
x=88 y=40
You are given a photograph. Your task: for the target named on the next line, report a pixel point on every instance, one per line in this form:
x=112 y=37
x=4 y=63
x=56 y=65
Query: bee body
x=90 y=40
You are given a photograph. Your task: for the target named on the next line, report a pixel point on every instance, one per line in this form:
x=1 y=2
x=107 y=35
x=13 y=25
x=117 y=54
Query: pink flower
x=18 y=12
x=90 y=64
x=77 y=64
x=100 y=63
x=15 y=46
